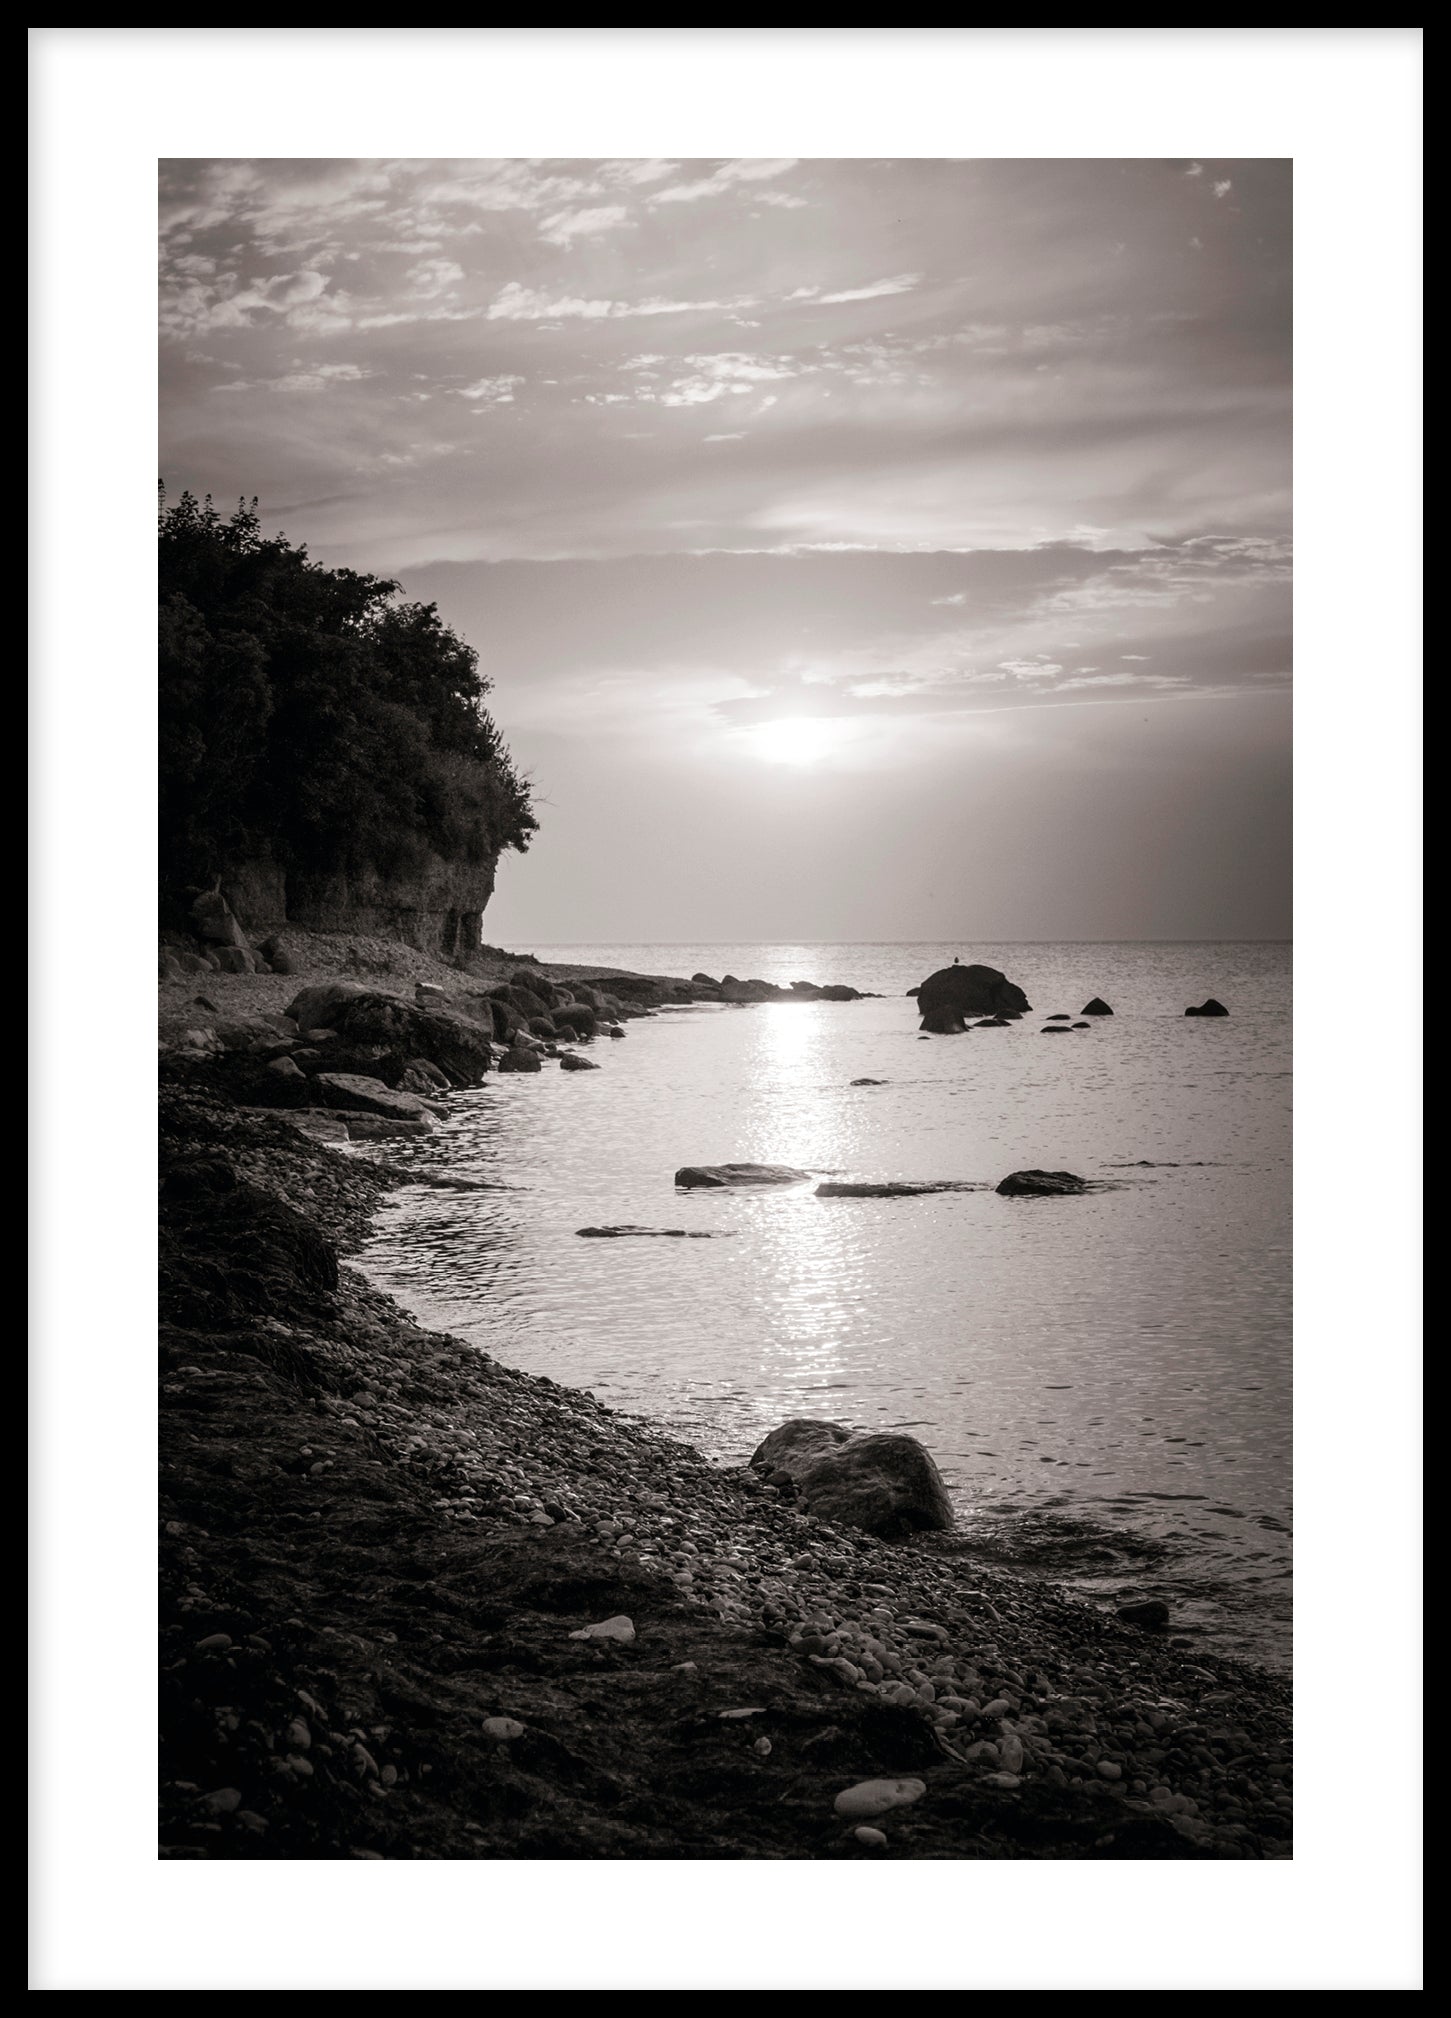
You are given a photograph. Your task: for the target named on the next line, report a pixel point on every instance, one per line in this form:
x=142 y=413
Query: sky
x=858 y=549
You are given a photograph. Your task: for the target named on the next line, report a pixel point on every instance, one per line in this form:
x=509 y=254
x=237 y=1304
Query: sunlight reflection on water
x=1115 y=1369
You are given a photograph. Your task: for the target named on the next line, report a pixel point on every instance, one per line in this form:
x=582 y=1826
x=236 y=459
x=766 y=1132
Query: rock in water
x=878 y=1797
x=883 y=1482
x=1041 y=1184
x=1145 y=1612
x=722 y=1176
x=1097 y=1007
x=1209 y=1008
x=959 y=992
x=570 y=1061
x=518 y=1059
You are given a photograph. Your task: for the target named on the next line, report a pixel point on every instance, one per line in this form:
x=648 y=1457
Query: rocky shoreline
x=415 y=1604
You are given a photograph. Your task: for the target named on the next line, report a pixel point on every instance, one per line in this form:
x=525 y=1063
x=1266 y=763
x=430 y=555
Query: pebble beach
x=419 y=1604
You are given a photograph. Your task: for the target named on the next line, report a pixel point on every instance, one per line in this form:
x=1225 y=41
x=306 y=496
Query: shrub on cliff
x=310 y=718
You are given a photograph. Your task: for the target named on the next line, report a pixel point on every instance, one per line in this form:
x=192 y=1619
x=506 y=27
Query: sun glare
x=797 y=741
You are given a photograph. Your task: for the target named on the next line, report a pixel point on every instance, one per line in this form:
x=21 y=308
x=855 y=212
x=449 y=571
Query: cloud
x=434 y=276
x=315 y=379
x=491 y=391
x=567 y=225
x=728 y=176
x=900 y=283
x=516 y=303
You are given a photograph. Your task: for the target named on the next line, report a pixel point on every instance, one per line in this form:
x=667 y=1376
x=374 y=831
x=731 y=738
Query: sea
x=1103 y=1380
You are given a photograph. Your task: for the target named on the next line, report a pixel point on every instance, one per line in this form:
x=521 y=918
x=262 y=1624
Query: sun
x=801 y=740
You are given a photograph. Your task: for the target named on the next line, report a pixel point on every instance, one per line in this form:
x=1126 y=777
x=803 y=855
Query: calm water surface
x=1104 y=1381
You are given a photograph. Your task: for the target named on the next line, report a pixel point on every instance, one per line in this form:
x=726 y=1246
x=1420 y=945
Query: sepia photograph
x=674 y=671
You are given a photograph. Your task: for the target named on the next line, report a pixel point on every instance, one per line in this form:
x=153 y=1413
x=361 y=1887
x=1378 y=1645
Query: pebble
x=619 y=1628
x=502 y=1728
x=1107 y=1770
x=873 y=1838
x=727 y=1715
x=1008 y=1780
x=877 y=1797
x=762 y=1748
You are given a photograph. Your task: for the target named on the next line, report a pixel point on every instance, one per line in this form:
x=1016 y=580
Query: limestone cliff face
x=438 y=909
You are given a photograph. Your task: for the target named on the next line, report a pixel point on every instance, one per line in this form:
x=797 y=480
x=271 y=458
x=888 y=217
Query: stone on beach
x=1208 y=1008
x=350 y=1090
x=502 y=1729
x=1041 y=1184
x=878 y=1797
x=619 y=1628
x=1097 y=1007
x=881 y=1481
x=727 y=1176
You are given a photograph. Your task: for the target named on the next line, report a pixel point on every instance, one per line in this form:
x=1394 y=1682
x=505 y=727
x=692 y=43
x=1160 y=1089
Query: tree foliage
x=311 y=717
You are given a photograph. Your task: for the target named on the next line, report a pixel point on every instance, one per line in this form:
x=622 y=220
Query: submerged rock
x=1208 y=1008
x=1097 y=1007
x=968 y=991
x=725 y=1176
x=895 y=1188
x=1041 y=1184
x=645 y=1233
x=869 y=1082
x=881 y=1481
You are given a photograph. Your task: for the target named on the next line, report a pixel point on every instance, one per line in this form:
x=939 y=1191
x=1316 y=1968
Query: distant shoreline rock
x=951 y=995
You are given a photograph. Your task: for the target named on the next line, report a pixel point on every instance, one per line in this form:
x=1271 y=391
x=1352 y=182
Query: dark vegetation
x=311 y=719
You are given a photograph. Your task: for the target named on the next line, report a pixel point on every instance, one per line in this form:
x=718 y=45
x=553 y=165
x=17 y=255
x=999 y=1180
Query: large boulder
x=396 y=1032
x=1209 y=1008
x=350 y=1091
x=958 y=992
x=881 y=1481
x=736 y=1176
x=318 y=1007
x=576 y=1020
x=1042 y=1184
x=213 y=920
